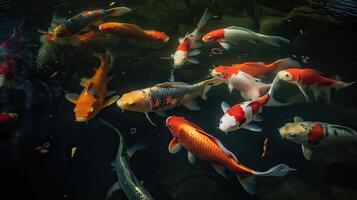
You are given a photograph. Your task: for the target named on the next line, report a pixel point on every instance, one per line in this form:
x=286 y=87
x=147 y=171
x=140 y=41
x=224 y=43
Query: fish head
x=215 y=35
x=173 y=123
x=220 y=72
x=137 y=101
x=109 y=26
x=60 y=31
x=87 y=106
x=180 y=58
x=296 y=132
x=228 y=123
x=285 y=75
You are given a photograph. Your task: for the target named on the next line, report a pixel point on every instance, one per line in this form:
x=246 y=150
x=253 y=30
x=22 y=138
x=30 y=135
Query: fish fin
x=316 y=93
x=174 y=146
x=273 y=40
x=253 y=41
x=207 y=85
x=140 y=145
x=191 y=158
x=172 y=76
x=119 y=11
x=193 y=61
x=72 y=97
x=197 y=44
x=113 y=164
x=307 y=151
x=115 y=187
x=194 y=52
x=241 y=28
x=84 y=82
x=225 y=106
x=283 y=64
x=226 y=46
x=219 y=169
x=180 y=39
x=230 y=86
x=252 y=127
x=303 y=92
x=110 y=101
x=258 y=118
x=260 y=110
x=161 y=113
x=248 y=183
x=172 y=84
x=204 y=19
x=272 y=101
x=148 y=117
x=110 y=93
x=192 y=105
x=298 y=119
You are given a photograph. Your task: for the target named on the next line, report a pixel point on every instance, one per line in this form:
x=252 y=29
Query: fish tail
x=248 y=181
x=273 y=40
x=111 y=126
x=283 y=64
x=119 y=11
x=106 y=59
x=207 y=85
x=204 y=19
x=342 y=84
x=157 y=35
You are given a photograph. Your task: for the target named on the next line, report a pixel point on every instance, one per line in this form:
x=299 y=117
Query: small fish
x=93 y=97
x=316 y=134
x=265 y=147
x=208 y=148
x=255 y=69
x=127 y=181
x=165 y=96
x=133 y=31
x=310 y=78
x=184 y=51
x=233 y=35
x=242 y=114
x=83 y=20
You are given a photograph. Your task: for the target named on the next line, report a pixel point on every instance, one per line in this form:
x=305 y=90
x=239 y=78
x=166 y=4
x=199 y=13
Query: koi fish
x=83 y=20
x=310 y=78
x=127 y=180
x=133 y=31
x=233 y=35
x=93 y=97
x=316 y=134
x=165 y=96
x=184 y=51
x=242 y=114
x=254 y=69
x=208 y=148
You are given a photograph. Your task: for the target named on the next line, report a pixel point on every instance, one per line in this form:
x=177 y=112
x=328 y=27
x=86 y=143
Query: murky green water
x=319 y=39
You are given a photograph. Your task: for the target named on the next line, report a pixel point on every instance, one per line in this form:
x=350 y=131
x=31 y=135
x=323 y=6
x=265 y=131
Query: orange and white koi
x=165 y=96
x=133 y=31
x=316 y=134
x=82 y=21
x=310 y=78
x=233 y=35
x=208 y=148
x=184 y=51
x=93 y=97
x=242 y=114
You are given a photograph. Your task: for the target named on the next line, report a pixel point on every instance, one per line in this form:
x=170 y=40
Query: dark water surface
x=327 y=40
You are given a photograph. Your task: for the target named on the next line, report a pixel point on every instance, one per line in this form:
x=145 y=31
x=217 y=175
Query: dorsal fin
x=172 y=84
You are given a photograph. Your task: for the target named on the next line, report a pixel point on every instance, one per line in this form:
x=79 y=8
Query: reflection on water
x=345 y=8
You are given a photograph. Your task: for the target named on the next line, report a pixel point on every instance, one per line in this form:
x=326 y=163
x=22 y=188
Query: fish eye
x=131 y=104
x=293 y=135
x=91 y=110
x=220 y=121
x=287 y=75
x=191 y=35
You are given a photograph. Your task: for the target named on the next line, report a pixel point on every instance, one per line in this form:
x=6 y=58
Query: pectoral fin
x=225 y=106
x=191 y=158
x=298 y=119
x=193 y=61
x=84 y=82
x=115 y=187
x=194 y=52
x=307 y=151
x=137 y=147
x=303 y=92
x=148 y=117
x=174 y=146
x=161 y=113
x=110 y=101
x=110 y=93
x=72 y=97
x=192 y=105
x=219 y=169
x=226 y=46
x=230 y=87
x=252 y=127
x=258 y=118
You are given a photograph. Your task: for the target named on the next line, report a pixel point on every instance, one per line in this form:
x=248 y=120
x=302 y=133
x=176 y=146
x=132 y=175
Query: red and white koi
x=242 y=114
x=233 y=35
x=309 y=78
x=316 y=134
x=208 y=148
x=184 y=51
